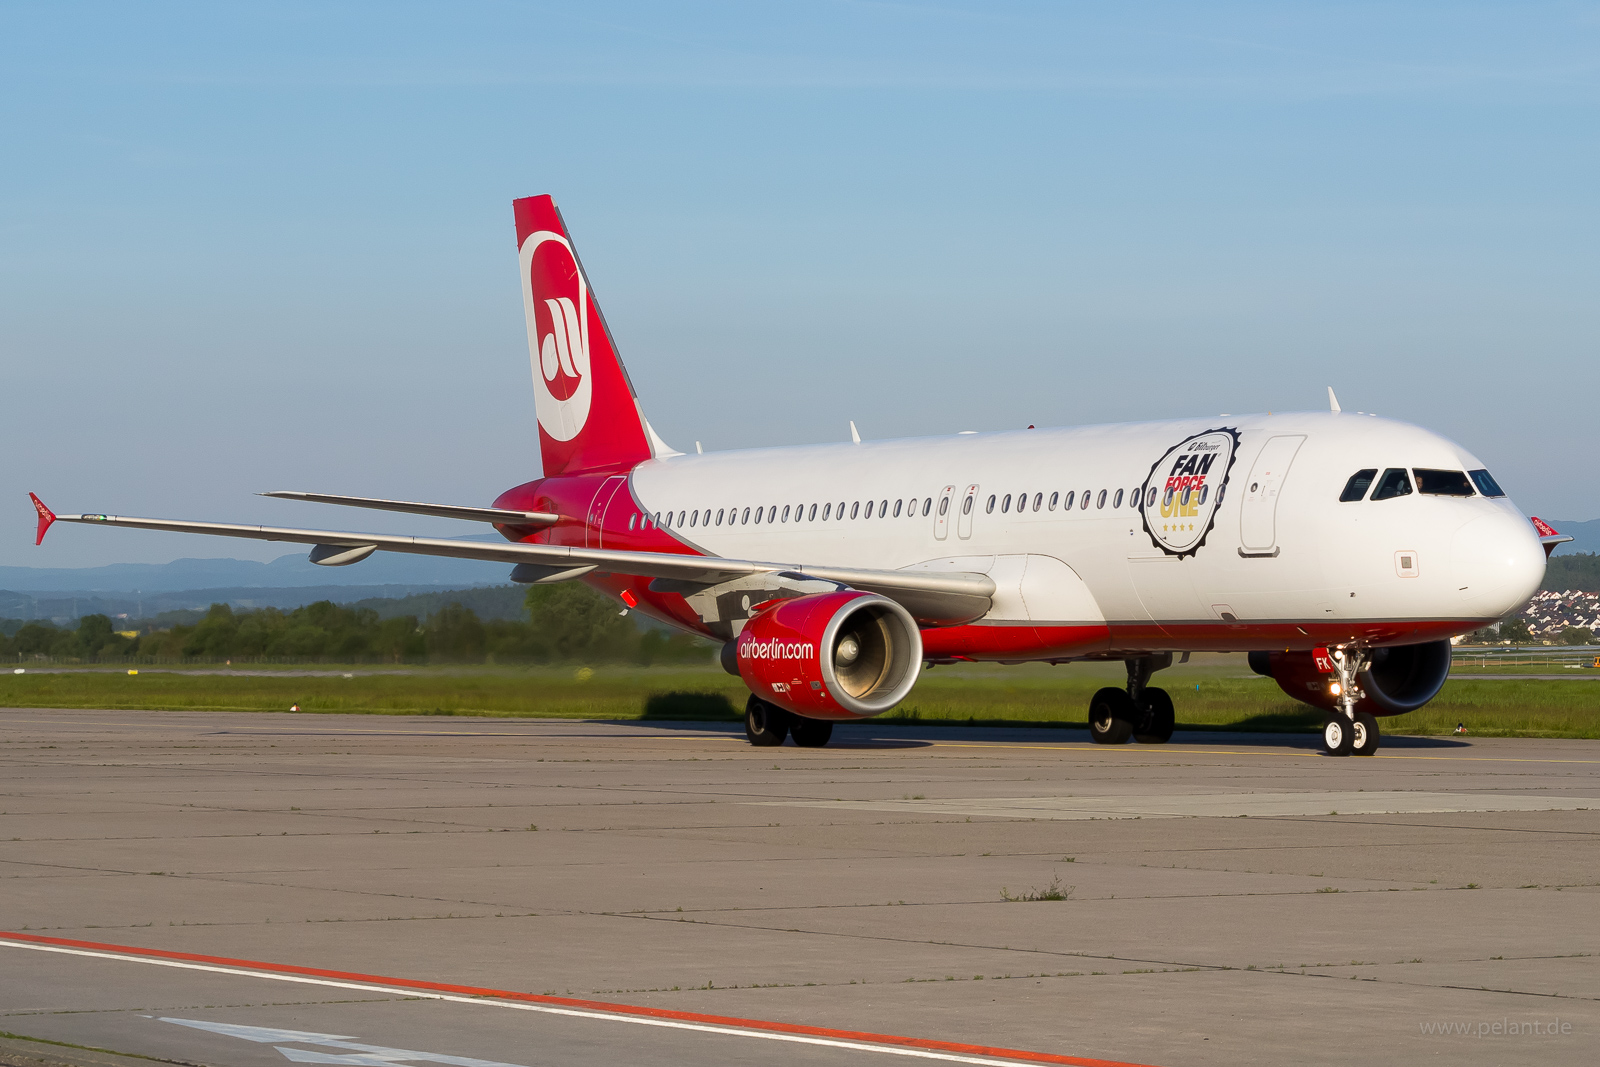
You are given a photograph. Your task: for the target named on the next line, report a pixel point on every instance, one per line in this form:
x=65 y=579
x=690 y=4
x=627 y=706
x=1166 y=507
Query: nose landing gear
x=1141 y=711
x=1349 y=732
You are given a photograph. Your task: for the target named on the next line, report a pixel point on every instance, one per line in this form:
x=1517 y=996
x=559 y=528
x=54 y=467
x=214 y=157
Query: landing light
x=1335 y=688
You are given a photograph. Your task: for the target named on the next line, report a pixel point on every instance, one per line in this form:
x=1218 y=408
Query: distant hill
x=62 y=608
x=1585 y=536
x=382 y=568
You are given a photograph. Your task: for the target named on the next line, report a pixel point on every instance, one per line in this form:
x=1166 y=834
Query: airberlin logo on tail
x=556 y=302
x=1185 y=488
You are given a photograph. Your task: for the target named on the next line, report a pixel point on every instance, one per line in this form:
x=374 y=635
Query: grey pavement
x=1225 y=899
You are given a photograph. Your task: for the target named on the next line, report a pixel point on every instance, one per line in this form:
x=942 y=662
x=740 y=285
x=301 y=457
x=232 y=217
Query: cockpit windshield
x=1442 y=483
x=1395 y=482
x=1486 y=483
x=1357 y=486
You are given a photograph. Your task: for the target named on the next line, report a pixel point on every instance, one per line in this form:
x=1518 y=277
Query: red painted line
x=1020 y=1055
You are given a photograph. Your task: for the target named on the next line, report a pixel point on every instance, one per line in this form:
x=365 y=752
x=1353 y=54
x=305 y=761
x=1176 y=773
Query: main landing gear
x=766 y=725
x=1141 y=711
x=1349 y=732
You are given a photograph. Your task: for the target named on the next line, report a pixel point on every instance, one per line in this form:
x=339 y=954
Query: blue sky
x=248 y=247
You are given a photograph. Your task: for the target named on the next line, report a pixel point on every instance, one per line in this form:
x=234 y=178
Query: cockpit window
x=1442 y=483
x=1395 y=482
x=1486 y=483
x=1357 y=486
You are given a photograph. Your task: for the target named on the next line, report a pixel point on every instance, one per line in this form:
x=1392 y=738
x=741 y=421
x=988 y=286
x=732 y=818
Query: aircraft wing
x=502 y=516
x=936 y=598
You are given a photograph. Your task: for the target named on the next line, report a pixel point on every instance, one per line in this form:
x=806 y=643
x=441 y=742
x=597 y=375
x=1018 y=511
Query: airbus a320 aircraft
x=1340 y=551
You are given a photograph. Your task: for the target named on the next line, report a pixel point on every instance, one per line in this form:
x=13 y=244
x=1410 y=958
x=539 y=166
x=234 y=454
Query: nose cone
x=1498 y=563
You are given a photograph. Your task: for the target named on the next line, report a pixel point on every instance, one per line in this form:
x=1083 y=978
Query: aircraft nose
x=1499 y=564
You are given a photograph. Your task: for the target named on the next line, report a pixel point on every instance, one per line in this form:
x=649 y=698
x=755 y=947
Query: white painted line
x=1209 y=805
x=798 y=1039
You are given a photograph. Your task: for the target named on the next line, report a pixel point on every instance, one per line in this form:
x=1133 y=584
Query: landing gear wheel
x=1364 y=740
x=1155 y=725
x=809 y=733
x=1111 y=715
x=765 y=724
x=1338 y=736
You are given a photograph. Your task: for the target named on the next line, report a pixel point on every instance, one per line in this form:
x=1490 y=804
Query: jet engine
x=1397 y=680
x=836 y=656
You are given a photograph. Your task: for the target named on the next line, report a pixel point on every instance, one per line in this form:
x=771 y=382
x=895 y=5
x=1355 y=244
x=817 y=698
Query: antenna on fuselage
x=855 y=438
x=1333 y=401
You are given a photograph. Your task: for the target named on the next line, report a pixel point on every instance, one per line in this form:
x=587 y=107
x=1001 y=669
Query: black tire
x=809 y=733
x=1155 y=725
x=1364 y=741
x=1111 y=716
x=1337 y=735
x=766 y=725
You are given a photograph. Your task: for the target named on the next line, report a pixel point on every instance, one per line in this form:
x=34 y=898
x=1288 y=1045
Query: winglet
x=1548 y=537
x=46 y=517
x=1333 y=401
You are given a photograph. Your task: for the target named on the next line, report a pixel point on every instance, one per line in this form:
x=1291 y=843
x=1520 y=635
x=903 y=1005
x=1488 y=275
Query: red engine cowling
x=836 y=656
x=1397 y=680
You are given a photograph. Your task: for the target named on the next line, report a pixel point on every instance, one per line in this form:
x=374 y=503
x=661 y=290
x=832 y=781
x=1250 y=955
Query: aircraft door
x=1258 y=514
x=594 y=529
x=941 y=513
x=969 y=503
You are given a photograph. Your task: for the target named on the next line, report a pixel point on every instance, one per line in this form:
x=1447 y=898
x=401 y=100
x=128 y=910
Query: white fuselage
x=1278 y=544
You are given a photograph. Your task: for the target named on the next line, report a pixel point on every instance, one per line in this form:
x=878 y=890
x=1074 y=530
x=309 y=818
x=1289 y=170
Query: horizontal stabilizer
x=500 y=516
x=1548 y=537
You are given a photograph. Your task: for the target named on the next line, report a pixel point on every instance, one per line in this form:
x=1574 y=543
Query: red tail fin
x=46 y=517
x=589 y=418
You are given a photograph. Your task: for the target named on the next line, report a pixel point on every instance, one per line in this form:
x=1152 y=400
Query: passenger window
x=1134 y=496
x=1205 y=491
x=1083 y=505
x=758 y=515
x=839 y=511
x=719 y=516
x=1486 y=484
x=883 y=508
x=827 y=509
x=786 y=513
x=745 y=517
x=1357 y=486
x=927 y=506
x=855 y=509
x=966 y=506
x=811 y=516
x=1066 y=505
x=683 y=517
x=990 y=509
x=1005 y=505
x=772 y=513
x=1055 y=498
x=1102 y=501
x=897 y=504
x=694 y=516
x=1116 y=501
x=944 y=505
x=1442 y=483
x=632 y=519
x=1038 y=501
x=1395 y=482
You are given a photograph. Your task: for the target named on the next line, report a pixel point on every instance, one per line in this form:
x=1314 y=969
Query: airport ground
x=260 y=888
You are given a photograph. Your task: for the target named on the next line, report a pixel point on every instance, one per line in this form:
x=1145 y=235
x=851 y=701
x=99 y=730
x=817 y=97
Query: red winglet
x=46 y=517
x=1547 y=535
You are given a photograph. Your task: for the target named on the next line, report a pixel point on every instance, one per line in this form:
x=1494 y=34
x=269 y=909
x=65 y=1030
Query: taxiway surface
x=268 y=889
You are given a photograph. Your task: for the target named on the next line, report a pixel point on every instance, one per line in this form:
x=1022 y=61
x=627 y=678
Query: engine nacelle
x=1397 y=680
x=837 y=656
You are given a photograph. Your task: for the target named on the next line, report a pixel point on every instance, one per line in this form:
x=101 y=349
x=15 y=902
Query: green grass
x=1227 y=698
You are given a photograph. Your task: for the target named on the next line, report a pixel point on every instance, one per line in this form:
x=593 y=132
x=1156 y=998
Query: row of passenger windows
x=1396 y=482
x=909 y=508
x=1072 y=497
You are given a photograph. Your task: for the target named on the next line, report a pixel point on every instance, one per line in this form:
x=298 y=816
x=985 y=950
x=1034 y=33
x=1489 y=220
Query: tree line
x=563 y=623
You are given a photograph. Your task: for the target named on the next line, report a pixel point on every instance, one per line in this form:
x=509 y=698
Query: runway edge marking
x=865 y=1041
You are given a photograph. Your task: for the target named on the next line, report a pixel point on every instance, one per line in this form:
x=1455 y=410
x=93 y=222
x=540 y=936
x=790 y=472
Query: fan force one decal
x=557 y=304
x=1185 y=489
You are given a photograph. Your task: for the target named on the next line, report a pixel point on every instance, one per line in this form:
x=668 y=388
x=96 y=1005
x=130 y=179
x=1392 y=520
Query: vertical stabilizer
x=589 y=419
